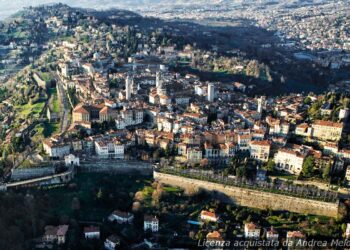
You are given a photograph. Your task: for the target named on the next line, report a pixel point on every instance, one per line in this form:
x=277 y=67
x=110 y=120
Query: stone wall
x=254 y=198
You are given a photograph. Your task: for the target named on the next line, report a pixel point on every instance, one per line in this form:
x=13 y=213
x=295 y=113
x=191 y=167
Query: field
x=54 y=101
x=31 y=109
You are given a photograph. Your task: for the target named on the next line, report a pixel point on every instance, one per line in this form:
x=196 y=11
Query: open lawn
x=283 y=175
x=54 y=101
x=31 y=109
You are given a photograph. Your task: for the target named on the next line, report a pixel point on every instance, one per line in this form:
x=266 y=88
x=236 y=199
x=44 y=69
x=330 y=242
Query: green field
x=54 y=101
x=31 y=109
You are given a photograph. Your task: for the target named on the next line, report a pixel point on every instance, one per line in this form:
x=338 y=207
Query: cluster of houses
x=58 y=234
x=205 y=122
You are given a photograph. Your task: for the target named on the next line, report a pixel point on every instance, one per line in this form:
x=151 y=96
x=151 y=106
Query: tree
x=326 y=171
x=308 y=166
x=270 y=165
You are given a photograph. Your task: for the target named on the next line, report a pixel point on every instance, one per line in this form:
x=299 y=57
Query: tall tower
x=159 y=83
x=261 y=104
x=128 y=85
x=211 y=92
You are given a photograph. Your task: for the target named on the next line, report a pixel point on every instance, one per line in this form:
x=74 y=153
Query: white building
x=344 y=114
x=128 y=87
x=259 y=150
x=56 y=148
x=92 y=232
x=107 y=148
x=151 y=223
x=261 y=104
x=347 y=232
x=112 y=242
x=121 y=217
x=129 y=117
x=251 y=231
x=211 y=92
x=71 y=160
x=209 y=216
x=272 y=235
x=289 y=160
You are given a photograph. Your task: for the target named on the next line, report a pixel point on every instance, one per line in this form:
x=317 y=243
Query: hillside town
x=104 y=96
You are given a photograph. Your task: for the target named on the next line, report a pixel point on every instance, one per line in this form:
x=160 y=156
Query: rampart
x=254 y=198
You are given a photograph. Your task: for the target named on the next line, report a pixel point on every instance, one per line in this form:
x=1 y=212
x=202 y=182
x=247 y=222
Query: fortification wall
x=254 y=198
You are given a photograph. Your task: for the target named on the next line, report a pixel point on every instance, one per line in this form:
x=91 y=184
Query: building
x=209 y=216
x=327 y=130
x=112 y=242
x=128 y=87
x=260 y=150
x=55 y=234
x=211 y=92
x=347 y=232
x=251 y=231
x=121 y=217
x=272 y=235
x=92 y=232
x=215 y=238
x=194 y=155
x=71 y=160
x=289 y=160
x=109 y=148
x=344 y=114
x=295 y=237
x=56 y=148
x=151 y=223
x=129 y=117
x=261 y=104
x=303 y=130
x=347 y=174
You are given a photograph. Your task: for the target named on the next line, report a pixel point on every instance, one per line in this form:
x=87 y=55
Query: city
x=192 y=126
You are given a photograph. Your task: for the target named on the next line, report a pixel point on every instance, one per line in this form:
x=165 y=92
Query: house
x=260 y=150
x=289 y=160
x=209 y=216
x=272 y=235
x=56 y=148
x=261 y=175
x=215 y=238
x=194 y=154
x=71 y=160
x=151 y=223
x=121 y=217
x=295 y=237
x=92 y=232
x=109 y=148
x=129 y=117
x=303 y=130
x=347 y=174
x=327 y=130
x=347 y=232
x=112 y=242
x=56 y=234
x=251 y=231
